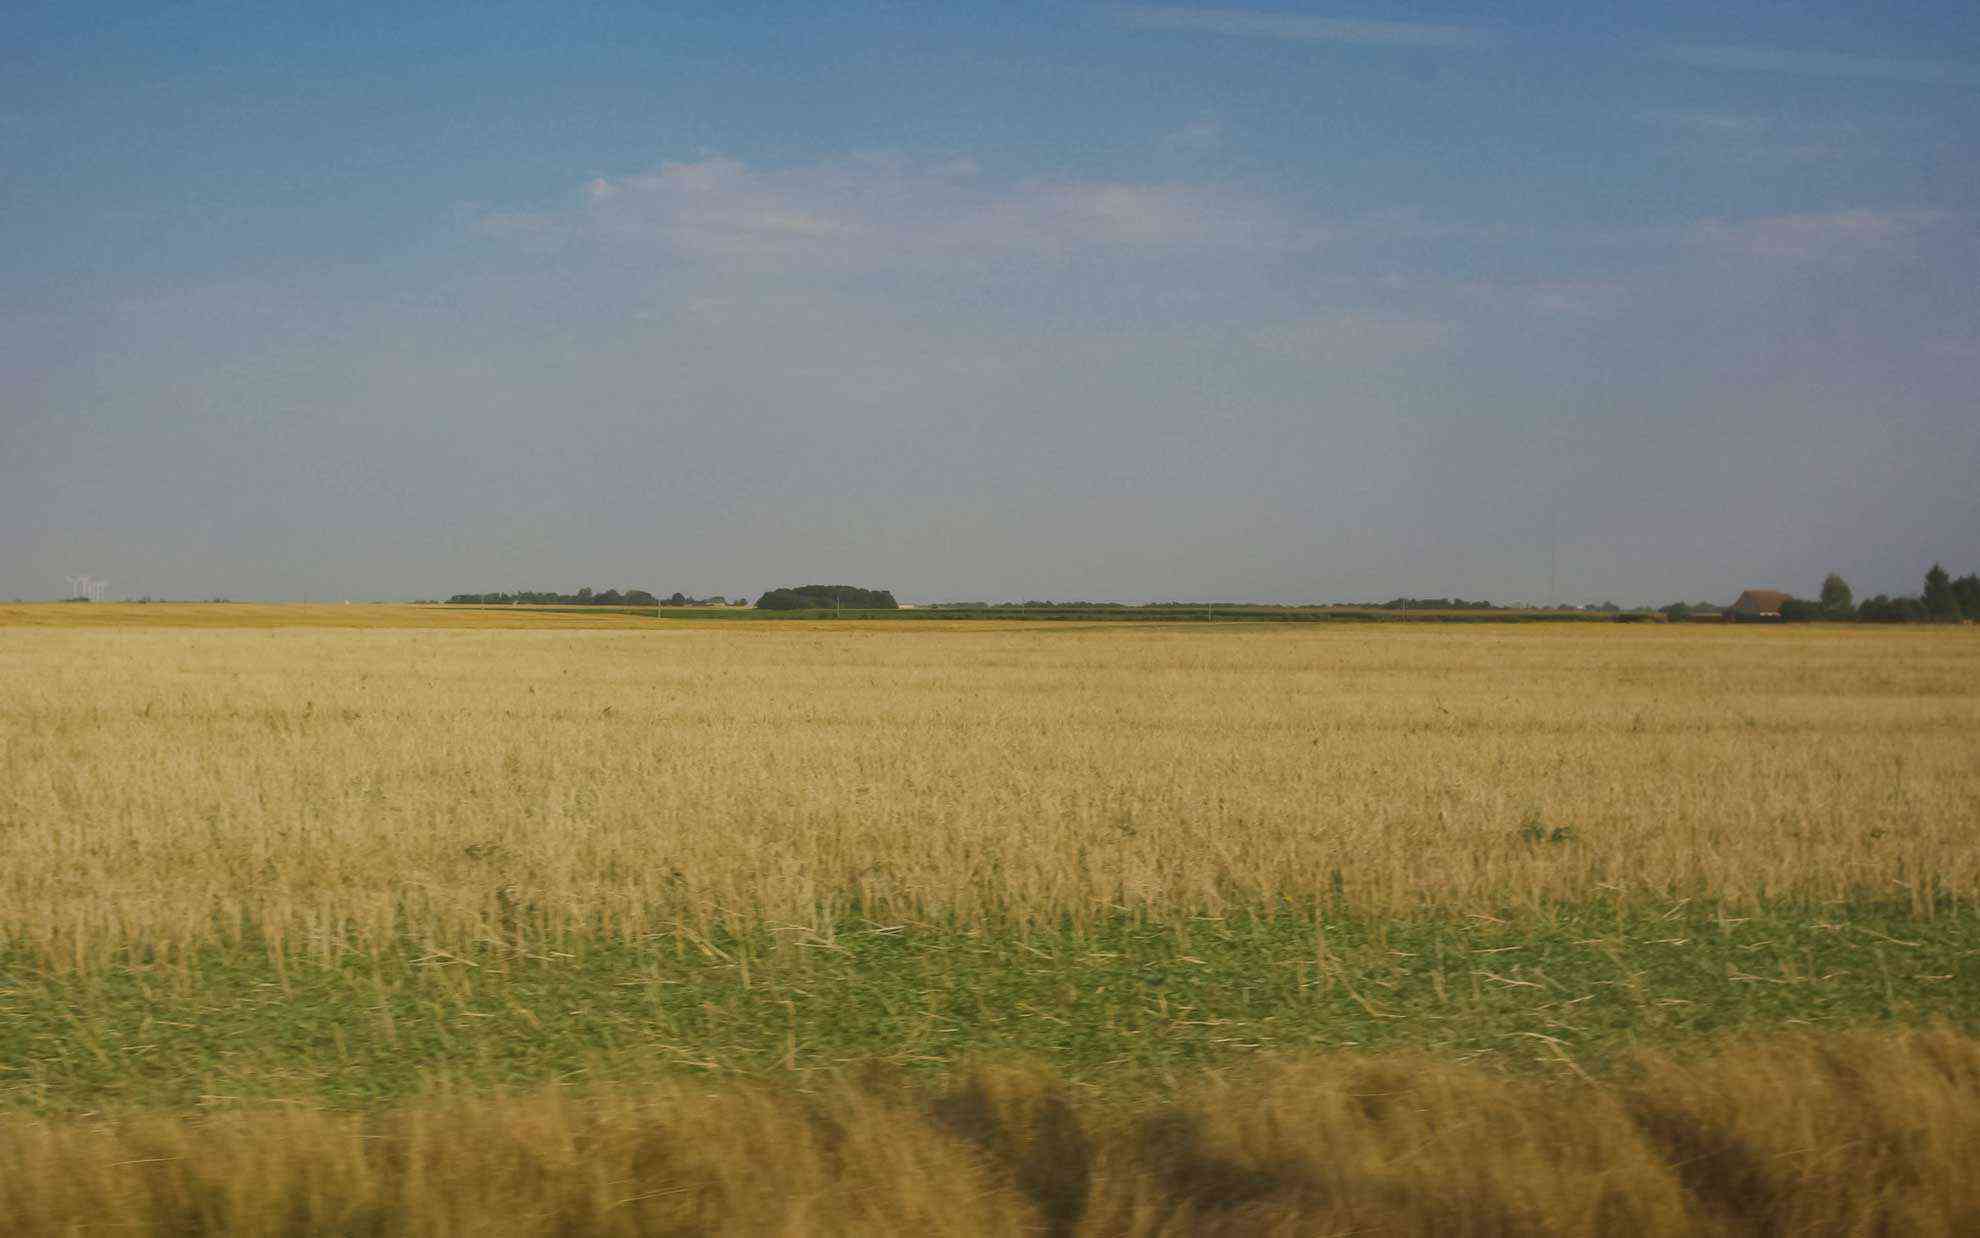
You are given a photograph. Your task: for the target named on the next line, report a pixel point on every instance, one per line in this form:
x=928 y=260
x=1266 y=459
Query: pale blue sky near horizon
x=1276 y=302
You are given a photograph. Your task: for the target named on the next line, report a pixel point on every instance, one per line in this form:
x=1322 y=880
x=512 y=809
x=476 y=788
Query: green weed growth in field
x=1118 y=1001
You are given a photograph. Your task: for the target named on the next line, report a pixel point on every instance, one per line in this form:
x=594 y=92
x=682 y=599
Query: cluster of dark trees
x=827 y=597
x=1944 y=600
x=1432 y=604
x=583 y=597
x=1679 y=610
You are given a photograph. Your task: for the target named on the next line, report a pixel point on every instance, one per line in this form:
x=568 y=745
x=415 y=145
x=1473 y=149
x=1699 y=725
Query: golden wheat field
x=414 y=920
x=161 y=784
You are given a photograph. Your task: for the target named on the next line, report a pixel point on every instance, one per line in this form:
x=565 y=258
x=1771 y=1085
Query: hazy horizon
x=1110 y=302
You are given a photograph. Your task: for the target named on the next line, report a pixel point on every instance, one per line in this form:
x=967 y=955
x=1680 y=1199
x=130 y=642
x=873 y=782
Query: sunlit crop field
x=255 y=615
x=333 y=918
x=159 y=786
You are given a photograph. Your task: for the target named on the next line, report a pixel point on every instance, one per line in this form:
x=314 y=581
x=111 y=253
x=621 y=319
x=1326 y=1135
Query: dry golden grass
x=303 y=615
x=1854 y=1134
x=158 y=785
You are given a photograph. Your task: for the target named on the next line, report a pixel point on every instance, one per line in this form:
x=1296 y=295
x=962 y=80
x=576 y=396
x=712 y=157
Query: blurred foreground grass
x=1833 y=1133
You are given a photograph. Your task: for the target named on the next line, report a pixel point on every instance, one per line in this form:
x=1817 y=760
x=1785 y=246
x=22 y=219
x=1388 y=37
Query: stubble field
x=397 y=870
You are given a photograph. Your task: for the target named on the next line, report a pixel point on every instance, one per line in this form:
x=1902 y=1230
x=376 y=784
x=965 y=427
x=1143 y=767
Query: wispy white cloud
x=1194 y=140
x=1550 y=298
x=1958 y=348
x=879 y=211
x=1301 y=29
x=1748 y=137
x=1351 y=337
x=531 y=232
x=1413 y=223
x=1823 y=64
x=1722 y=124
x=1816 y=235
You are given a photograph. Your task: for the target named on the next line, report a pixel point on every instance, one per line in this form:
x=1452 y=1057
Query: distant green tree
x=827 y=597
x=1677 y=612
x=1800 y=610
x=1967 y=590
x=1838 y=601
x=1941 y=603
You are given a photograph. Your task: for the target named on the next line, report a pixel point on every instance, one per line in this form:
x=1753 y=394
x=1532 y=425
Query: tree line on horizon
x=1396 y=603
x=800 y=597
x=583 y=597
x=1942 y=600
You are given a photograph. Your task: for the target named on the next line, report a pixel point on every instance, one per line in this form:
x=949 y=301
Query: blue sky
x=1133 y=301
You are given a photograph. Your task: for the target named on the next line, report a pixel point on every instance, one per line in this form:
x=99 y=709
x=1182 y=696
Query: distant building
x=1758 y=606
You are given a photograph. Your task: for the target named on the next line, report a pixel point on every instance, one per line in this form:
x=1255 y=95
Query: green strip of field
x=1122 y=614
x=1116 y=1001
x=1163 y=614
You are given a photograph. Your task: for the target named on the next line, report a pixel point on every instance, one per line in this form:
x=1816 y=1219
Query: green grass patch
x=1152 y=614
x=1115 y=1001
x=1086 y=614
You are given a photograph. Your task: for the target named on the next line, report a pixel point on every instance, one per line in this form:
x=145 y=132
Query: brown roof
x=1761 y=602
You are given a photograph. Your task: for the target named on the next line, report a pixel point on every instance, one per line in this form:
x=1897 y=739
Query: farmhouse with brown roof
x=1758 y=606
